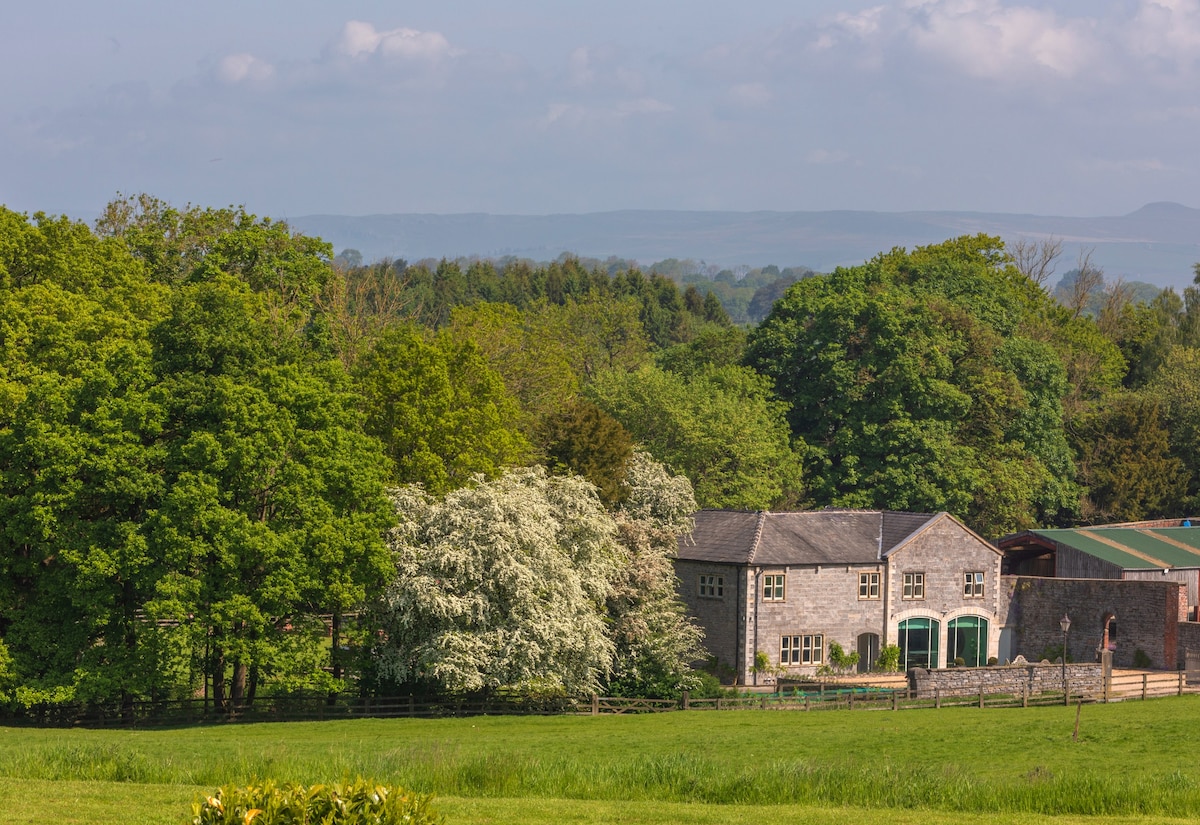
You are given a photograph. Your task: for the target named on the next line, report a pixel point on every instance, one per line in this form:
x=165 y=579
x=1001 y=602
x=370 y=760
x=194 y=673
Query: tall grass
x=673 y=778
x=904 y=761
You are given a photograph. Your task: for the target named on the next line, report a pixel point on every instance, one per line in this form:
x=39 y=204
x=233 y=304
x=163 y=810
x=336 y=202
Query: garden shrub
x=358 y=803
x=888 y=660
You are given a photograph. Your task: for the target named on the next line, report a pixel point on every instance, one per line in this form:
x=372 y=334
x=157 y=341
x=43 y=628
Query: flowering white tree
x=527 y=583
x=655 y=640
x=501 y=585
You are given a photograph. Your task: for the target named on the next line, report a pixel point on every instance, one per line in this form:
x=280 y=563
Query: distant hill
x=1158 y=243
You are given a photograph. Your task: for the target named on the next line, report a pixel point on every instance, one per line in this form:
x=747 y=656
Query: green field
x=1133 y=762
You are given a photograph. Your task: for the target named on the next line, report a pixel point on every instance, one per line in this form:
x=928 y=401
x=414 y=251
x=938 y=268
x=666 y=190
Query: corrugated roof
x=1133 y=548
x=810 y=537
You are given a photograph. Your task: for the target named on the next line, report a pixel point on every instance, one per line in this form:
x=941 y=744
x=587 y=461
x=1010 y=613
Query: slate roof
x=1130 y=548
x=809 y=537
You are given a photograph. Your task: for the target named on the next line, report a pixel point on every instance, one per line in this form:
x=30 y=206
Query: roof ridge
x=758 y=528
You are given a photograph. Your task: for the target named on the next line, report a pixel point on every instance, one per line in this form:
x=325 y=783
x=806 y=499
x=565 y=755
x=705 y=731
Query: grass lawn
x=1132 y=763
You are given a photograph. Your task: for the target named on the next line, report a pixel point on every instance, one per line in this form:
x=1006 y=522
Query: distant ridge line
x=1159 y=242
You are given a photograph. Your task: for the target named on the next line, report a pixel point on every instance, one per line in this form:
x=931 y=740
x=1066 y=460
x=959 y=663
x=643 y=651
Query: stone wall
x=1147 y=617
x=1189 y=639
x=720 y=616
x=819 y=599
x=944 y=553
x=1082 y=679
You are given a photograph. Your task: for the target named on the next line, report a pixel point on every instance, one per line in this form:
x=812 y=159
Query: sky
x=542 y=106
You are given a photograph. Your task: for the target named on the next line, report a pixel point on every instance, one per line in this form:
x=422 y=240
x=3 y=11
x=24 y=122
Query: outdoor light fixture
x=1065 y=624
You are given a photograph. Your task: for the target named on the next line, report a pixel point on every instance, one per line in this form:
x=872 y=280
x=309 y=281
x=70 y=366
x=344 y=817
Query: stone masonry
x=1147 y=617
x=1032 y=679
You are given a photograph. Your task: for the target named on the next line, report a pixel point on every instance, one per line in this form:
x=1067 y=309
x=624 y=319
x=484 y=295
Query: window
x=967 y=639
x=973 y=584
x=868 y=585
x=712 y=587
x=918 y=640
x=773 y=588
x=914 y=585
x=802 y=650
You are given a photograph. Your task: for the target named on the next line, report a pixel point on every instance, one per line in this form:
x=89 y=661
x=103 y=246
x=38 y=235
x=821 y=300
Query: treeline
x=233 y=465
x=207 y=433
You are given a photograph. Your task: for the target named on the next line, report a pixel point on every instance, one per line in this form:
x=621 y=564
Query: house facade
x=789 y=584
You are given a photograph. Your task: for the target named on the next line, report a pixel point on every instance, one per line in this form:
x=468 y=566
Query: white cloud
x=822 y=157
x=575 y=115
x=1136 y=166
x=1167 y=30
x=750 y=95
x=244 y=68
x=360 y=40
x=988 y=39
x=580 y=64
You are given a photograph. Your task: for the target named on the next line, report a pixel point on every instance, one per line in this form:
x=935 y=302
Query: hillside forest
x=233 y=464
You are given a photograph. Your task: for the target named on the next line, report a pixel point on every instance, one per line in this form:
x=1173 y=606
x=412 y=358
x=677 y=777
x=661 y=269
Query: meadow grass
x=1131 y=760
x=104 y=803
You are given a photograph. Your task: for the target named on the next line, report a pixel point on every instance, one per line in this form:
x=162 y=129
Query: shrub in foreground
x=358 y=803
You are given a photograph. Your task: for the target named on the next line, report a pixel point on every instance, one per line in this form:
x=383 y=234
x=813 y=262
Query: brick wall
x=1086 y=679
x=1147 y=617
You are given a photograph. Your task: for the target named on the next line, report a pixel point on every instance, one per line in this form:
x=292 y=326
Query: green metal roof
x=1133 y=548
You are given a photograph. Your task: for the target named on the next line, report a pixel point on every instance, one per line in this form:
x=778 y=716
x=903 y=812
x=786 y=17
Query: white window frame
x=868 y=586
x=711 y=586
x=973 y=584
x=802 y=649
x=774 y=587
x=913 y=587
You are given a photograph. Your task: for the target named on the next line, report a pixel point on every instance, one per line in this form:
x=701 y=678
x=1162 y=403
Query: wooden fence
x=1124 y=686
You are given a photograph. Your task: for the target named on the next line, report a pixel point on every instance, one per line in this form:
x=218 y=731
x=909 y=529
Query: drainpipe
x=739 y=621
x=887 y=602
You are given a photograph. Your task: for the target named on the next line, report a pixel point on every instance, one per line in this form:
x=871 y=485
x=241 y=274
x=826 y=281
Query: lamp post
x=1065 y=624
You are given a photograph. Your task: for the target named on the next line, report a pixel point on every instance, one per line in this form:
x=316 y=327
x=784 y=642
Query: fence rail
x=816 y=697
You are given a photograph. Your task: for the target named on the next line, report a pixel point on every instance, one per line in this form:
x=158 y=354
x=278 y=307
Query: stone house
x=789 y=584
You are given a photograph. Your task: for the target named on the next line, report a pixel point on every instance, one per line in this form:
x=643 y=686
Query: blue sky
x=536 y=107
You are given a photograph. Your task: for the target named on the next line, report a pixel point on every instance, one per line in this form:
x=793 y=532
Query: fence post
x=719 y=703
x=850 y=703
x=762 y=703
x=1180 y=693
x=595 y=705
x=1145 y=685
x=687 y=700
x=1024 y=696
x=806 y=701
x=981 y=696
x=937 y=697
x=895 y=701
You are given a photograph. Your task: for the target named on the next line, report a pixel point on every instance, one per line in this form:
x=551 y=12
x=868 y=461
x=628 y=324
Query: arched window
x=966 y=639
x=919 y=642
